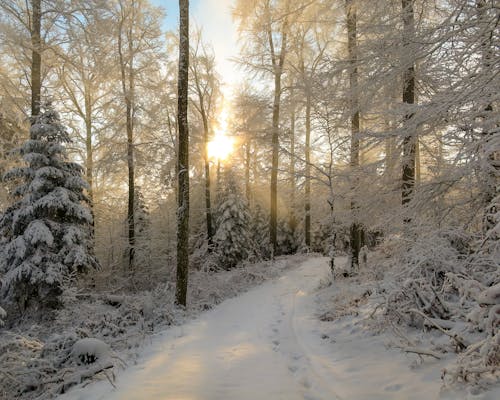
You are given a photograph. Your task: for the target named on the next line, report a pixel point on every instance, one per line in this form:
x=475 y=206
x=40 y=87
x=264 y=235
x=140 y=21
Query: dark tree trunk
x=36 y=57
x=128 y=93
x=208 y=202
x=292 y=221
x=89 y=162
x=307 y=189
x=274 y=165
x=356 y=230
x=131 y=182
x=248 y=155
x=278 y=61
x=183 y=158
x=410 y=139
x=491 y=182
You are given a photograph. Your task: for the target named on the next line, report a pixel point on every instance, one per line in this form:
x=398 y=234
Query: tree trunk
x=36 y=57
x=410 y=139
x=131 y=181
x=248 y=156
x=356 y=230
x=292 y=221
x=128 y=93
x=183 y=157
x=208 y=203
x=490 y=153
x=89 y=162
x=307 y=191
x=274 y=166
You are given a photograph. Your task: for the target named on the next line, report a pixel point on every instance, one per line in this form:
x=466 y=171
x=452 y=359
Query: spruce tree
x=232 y=239
x=259 y=229
x=46 y=232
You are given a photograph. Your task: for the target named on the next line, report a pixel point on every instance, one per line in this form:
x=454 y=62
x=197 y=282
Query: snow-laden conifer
x=233 y=241
x=46 y=231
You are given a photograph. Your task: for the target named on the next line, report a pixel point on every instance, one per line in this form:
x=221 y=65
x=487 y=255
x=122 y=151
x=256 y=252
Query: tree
x=183 y=157
x=85 y=77
x=47 y=229
x=356 y=230
x=205 y=87
x=311 y=42
x=36 y=57
x=137 y=33
x=409 y=139
x=233 y=241
x=269 y=28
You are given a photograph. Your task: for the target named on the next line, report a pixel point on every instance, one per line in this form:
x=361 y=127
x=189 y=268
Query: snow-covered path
x=267 y=344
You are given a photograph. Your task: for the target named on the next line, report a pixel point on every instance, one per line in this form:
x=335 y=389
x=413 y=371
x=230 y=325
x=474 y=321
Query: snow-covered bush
x=446 y=281
x=46 y=230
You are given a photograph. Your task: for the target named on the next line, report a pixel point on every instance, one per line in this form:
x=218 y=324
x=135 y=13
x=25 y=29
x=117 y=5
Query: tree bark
x=89 y=162
x=278 y=63
x=292 y=221
x=36 y=57
x=410 y=138
x=356 y=230
x=128 y=92
x=248 y=156
x=491 y=181
x=183 y=158
x=208 y=202
x=307 y=189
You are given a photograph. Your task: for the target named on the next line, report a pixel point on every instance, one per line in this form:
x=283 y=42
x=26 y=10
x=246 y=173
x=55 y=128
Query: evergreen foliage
x=46 y=231
x=288 y=242
x=232 y=240
x=259 y=229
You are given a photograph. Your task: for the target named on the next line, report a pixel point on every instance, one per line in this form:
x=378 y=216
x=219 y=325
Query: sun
x=220 y=147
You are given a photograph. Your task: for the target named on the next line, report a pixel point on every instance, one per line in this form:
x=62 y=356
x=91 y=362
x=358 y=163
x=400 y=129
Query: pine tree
x=46 y=232
x=287 y=238
x=233 y=242
x=259 y=230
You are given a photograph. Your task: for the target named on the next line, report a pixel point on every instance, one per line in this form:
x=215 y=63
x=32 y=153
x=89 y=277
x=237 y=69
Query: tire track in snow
x=316 y=385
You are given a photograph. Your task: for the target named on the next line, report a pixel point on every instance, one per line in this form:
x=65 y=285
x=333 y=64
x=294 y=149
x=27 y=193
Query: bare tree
x=205 y=87
x=409 y=139
x=356 y=230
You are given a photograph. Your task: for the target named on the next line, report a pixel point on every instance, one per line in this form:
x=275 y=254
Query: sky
x=214 y=17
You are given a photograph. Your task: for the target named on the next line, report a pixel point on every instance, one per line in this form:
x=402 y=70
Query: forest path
x=248 y=347
x=269 y=343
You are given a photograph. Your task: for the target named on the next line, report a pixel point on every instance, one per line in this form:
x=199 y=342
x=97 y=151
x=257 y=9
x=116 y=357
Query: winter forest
x=249 y=199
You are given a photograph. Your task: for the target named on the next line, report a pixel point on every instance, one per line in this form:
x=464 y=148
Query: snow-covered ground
x=270 y=344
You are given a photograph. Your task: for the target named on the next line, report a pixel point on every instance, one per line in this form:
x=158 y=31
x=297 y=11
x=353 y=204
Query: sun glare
x=221 y=145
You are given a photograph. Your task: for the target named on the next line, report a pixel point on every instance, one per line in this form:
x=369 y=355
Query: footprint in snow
x=293 y=368
x=393 y=388
x=305 y=382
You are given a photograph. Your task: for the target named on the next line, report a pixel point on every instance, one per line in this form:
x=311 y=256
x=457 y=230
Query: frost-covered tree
x=46 y=231
x=259 y=227
x=233 y=241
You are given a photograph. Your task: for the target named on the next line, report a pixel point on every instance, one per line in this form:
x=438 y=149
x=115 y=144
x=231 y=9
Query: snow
x=3 y=315
x=90 y=350
x=270 y=344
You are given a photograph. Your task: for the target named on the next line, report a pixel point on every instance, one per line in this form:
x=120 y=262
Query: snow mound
x=90 y=350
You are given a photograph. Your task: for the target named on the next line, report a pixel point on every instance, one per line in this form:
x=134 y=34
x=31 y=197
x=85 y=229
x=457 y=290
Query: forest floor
x=299 y=336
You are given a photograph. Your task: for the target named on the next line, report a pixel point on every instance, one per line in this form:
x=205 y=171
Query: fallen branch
x=455 y=337
x=423 y=352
